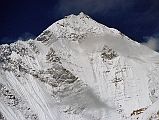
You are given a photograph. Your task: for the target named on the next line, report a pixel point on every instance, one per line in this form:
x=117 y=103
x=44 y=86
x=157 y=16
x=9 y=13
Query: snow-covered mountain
x=78 y=69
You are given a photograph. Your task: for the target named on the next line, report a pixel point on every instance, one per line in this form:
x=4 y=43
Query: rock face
x=78 y=69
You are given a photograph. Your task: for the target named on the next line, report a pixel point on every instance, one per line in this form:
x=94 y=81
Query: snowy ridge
x=78 y=69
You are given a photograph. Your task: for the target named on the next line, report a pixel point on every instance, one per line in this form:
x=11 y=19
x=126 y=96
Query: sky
x=138 y=19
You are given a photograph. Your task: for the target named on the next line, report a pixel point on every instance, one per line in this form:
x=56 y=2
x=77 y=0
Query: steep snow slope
x=78 y=69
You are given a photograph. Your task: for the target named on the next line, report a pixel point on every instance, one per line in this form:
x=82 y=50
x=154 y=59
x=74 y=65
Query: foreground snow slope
x=78 y=69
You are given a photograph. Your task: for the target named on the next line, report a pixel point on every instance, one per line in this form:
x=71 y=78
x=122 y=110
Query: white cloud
x=25 y=36
x=152 y=42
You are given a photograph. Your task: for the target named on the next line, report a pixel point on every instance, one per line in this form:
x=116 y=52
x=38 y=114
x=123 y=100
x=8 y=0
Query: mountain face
x=78 y=69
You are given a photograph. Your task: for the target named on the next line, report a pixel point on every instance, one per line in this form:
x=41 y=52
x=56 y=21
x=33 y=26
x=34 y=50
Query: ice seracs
x=78 y=69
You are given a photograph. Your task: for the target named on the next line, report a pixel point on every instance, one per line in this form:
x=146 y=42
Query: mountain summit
x=79 y=69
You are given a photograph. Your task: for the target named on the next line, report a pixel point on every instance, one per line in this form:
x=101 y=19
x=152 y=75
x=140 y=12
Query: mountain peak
x=78 y=25
x=83 y=15
x=81 y=28
x=78 y=69
x=80 y=15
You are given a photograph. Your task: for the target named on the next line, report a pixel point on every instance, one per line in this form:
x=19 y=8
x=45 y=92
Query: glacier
x=79 y=69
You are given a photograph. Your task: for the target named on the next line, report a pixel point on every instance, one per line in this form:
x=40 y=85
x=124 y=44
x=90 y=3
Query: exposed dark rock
x=108 y=54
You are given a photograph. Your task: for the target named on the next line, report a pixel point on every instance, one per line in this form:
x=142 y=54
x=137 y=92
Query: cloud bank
x=153 y=43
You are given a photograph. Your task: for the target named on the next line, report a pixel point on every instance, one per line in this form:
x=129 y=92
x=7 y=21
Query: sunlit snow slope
x=78 y=69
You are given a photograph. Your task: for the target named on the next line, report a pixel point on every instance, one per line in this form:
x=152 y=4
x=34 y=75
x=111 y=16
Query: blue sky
x=138 y=19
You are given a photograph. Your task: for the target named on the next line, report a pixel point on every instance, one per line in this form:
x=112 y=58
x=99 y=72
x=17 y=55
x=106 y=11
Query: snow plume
x=87 y=98
x=153 y=43
x=85 y=102
x=88 y=104
x=95 y=43
x=118 y=43
x=92 y=43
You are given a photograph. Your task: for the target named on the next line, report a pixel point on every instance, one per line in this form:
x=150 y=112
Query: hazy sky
x=23 y=19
